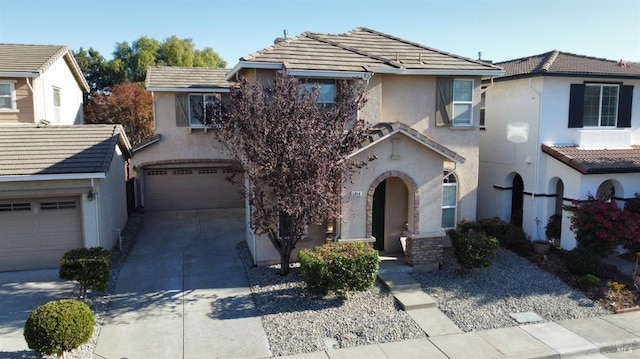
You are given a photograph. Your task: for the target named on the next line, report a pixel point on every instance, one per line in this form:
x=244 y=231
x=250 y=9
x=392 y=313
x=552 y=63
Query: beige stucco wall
x=24 y=104
x=418 y=163
x=176 y=143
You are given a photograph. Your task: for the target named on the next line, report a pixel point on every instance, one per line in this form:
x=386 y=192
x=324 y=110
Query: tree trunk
x=285 y=255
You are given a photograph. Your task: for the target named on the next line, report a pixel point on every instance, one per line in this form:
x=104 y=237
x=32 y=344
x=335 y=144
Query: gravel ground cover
x=297 y=321
x=484 y=298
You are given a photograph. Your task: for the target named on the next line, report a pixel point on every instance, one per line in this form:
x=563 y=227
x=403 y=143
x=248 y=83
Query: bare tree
x=294 y=151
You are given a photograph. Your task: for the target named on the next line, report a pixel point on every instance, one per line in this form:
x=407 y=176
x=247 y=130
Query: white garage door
x=37 y=232
x=190 y=188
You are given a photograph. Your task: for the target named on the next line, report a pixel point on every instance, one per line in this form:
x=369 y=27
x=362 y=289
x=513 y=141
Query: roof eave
x=19 y=74
x=253 y=65
x=330 y=74
x=437 y=72
x=454 y=158
x=188 y=89
x=52 y=177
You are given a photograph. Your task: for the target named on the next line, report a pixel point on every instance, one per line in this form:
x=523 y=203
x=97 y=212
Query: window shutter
x=444 y=98
x=576 y=105
x=182 y=104
x=624 y=106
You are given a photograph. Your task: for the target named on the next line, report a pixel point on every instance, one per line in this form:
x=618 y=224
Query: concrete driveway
x=21 y=293
x=183 y=292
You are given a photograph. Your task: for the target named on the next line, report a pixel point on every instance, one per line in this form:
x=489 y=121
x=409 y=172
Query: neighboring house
x=40 y=82
x=180 y=167
x=424 y=106
x=61 y=187
x=558 y=126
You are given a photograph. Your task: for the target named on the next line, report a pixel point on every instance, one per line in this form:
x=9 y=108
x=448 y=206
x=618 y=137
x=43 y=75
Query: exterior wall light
x=90 y=195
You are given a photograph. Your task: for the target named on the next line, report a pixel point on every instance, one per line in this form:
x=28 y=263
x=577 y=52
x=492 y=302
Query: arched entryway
x=392 y=208
x=517 y=200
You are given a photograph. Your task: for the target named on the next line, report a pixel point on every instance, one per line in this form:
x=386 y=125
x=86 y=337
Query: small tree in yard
x=294 y=152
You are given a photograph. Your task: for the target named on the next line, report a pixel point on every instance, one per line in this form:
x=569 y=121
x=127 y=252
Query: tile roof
x=36 y=59
x=361 y=49
x=173 y=77
x=596 y=161
x=36 y=150
x=560 y=63
x=383 y=130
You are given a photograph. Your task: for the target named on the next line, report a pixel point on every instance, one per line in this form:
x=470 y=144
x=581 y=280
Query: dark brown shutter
x=182 y=105
x=576 y=105
x=444 y=99
x=624 y=106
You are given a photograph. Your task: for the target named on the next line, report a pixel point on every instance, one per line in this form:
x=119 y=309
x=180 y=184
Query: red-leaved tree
x=294 y=152
x=127 y=104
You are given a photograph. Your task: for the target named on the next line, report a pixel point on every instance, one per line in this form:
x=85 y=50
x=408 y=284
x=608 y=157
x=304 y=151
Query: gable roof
x=558 y=63
x=384 y=130
x=84 y=150
x=359 y=51
x=596 y=161
x=18 y=60
x=185 y=79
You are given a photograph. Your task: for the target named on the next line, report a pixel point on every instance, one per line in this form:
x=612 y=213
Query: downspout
x=97 y=213
x=536 y=221
x=35 y=103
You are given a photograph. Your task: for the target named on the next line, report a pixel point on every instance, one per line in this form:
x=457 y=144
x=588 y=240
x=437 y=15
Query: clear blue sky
x=501 y=29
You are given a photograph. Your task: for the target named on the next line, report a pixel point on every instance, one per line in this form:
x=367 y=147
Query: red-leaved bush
x=600 y=224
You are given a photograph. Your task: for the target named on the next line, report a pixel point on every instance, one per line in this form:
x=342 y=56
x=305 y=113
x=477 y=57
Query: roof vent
x=621 y=63
x=42 y=123
x=278 y=40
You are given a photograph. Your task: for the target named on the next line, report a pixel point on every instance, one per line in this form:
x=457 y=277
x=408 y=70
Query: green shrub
x=580 y=261
x=510 y=237
x=339 y=267
x=589 y=280
x=59 y=326
x=472 y=247
x=88 y=266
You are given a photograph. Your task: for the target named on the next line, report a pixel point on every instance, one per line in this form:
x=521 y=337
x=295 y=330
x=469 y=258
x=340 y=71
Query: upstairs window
x=56 y=104
x=454 y=102
x=198 y=109
x=326 y=89
x=7 y=96
x=600 y=105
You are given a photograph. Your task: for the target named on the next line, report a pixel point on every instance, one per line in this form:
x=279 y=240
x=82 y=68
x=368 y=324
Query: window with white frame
x=449 y=200
x=203 y=109
x=7 y=96
x=56 y=104
x=454 y=102
x=600 y=105
x=326 y=91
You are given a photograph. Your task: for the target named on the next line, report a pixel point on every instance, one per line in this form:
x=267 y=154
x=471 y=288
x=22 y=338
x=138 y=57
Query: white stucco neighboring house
x=61 y=187
x=558 y=126
x=40 y=82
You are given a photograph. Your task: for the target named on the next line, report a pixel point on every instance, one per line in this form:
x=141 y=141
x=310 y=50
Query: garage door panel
x=190 y=188
x=38 y=238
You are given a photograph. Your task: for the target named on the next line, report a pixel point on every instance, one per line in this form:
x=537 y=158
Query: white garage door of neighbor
x=37 y=232
x=190 y=188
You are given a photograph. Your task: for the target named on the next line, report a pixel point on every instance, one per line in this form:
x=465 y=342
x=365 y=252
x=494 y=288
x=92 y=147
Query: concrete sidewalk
x=183 y=292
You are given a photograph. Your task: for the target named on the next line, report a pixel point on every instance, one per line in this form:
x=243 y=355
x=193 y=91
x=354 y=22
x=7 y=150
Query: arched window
x=449 y=200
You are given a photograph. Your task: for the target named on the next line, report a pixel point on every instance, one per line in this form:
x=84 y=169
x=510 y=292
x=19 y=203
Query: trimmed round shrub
x=339 y=267
x=471 y=247
x=510 y=237
x=59 y=326
x=88 y=266
x=580 y=261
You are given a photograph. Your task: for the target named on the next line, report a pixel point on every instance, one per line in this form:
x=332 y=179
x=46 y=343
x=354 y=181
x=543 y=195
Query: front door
x=378 y=215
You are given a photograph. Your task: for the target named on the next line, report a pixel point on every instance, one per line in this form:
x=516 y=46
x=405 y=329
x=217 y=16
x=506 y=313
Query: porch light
x=517 y=132
x=90 y=195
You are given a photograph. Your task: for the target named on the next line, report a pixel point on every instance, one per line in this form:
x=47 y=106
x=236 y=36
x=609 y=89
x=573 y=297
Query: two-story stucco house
x=424 y=108
x=558 y=126
x=40 y=82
